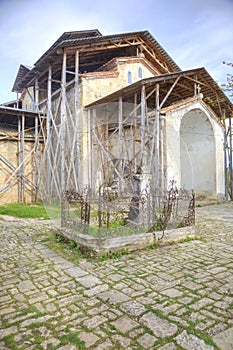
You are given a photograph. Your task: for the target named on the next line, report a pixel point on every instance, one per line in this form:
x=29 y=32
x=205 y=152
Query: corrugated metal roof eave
x=18 y=111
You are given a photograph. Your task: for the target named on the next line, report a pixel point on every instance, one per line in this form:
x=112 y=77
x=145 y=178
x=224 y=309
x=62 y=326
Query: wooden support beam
x=19 y=159
x=157 y=141
x=63 y=137
x=48 y=126
x=169 y=92
x=225 y=155
x=135 y=133
x=77 y=135
x=231 y=159
x=36 y=181
x=90 y=159
x=36 y=174
x=32 y=99
x=143 y=125
x=120 y=136
x=93 y=153
x=36 y=94
x=22 y=170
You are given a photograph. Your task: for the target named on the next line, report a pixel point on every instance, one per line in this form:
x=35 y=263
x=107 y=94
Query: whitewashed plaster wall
x=195 y=154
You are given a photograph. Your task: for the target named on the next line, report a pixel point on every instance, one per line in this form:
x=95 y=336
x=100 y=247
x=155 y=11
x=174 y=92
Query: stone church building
x=101 y=111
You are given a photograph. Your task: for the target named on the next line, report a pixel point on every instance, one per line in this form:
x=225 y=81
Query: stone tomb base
x=99 y=246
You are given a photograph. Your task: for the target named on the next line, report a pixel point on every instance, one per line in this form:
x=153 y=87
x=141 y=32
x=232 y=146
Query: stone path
x=174 y=297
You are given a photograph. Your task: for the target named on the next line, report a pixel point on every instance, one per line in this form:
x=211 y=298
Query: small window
x=130 y=79
x=140 y=73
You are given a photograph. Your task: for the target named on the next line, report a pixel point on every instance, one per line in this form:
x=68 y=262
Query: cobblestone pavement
x=173 y=297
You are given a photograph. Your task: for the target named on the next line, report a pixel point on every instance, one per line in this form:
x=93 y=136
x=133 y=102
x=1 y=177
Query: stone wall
x=8 y=149
x=195 y=154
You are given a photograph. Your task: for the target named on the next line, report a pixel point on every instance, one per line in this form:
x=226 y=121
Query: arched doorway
x=197 y=151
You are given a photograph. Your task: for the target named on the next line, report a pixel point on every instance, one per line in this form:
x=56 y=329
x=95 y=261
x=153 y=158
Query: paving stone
x=107 y=345
x=136 y=332
x=146 y=341
x=170 y=309
x=124 y=324
x=51 y=308
x=95 y=321
x=113 y=297
x=7 y=310
x=96 y=290
x=160 y=327
x=31 y=321
x=5 y=298
x=36 y=279
x=191 y=342
x=26 y=286
x=7 y=331
x=3 y=347
x=89 y=281
x=89 y=338
x=217 y=270
x=120 y=341
x=172 y=293
x=46 y=344
x=133 y=308
x=76 y=272
x=224 y=340
x=201 y=303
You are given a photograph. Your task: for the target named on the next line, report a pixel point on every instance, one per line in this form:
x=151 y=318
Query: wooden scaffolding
x=22 y=139
x=72 y=132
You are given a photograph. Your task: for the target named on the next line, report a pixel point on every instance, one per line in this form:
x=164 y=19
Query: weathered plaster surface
x=195 y=149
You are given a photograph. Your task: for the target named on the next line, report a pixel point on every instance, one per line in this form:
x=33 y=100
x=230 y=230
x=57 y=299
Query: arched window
x=140 y=73
x=130 y=79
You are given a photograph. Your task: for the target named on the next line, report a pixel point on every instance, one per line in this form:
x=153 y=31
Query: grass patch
x=72 y=338
x=68 y=249
x=10 y=342
x=114 y=255
x=21 y=210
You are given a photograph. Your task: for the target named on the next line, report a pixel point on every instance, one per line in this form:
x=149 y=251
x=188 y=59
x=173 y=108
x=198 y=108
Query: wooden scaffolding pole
x=36 y=138
x=19 y=159
x=225 y=145
x=157 y=141
x=143 y=125
x=63 y=138
x=93 y=158
x=230 y=159
x=48 y=136
x=120 y=136
x=22 y=159
x=90 y=165
x=135 y=133
x=77 y=116
x=36 y=158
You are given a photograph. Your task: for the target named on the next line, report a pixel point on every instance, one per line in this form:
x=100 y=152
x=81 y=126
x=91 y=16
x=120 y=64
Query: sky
x=195 y=33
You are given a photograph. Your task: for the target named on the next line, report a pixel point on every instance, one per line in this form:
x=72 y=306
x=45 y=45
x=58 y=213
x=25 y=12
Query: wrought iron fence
x=108 y=214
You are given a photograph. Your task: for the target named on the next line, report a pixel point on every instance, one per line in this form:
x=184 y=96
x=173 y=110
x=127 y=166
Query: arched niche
x=197 y=154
